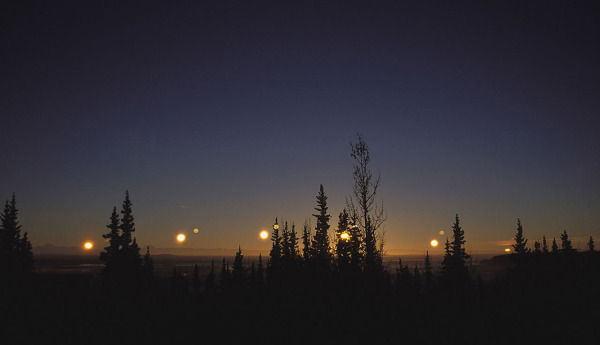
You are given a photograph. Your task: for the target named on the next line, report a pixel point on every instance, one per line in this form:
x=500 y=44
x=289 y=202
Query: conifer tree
x=122 y=258
x=211 y=279
x=520 y=241
x=306 y=241
x=356 y=252
x=590 y=245
x=454 y=268
x=403 y=278
x=196 y=279
x=554 y=246
x=566 y=243
x=274 y=265
x=148 y=264
x=537 y=247
x=544 y=244
x=320 y=242
x=343 y=244
x=428 y=271
x=260 y=271
x=16 y=255
x=224 y=275
x=238 y=271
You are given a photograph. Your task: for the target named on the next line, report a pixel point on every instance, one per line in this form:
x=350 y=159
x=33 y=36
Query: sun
x=264 y=235
x=180 y=238
x=344 y=236
x=88 y=245
x=434 y=243
x=507 y=250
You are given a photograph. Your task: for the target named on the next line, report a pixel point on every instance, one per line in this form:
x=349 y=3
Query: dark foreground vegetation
x=309 y=290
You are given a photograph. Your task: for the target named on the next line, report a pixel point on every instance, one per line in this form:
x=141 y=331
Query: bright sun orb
x=180 y=238
x=507 y=250
x=264 y=235
x=344 y=236
x=88 y=245
x=434 y=243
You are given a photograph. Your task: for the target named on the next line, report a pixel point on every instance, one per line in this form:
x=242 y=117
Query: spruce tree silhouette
x=343 y=242
x=148 y=266
x=211 y=284
x=428 y=273
x=321 y=259
x=260 y=272
x=590 y=245
x=274 y=264
x=554 y=246
x=566 y=245
x=123 y=265
x=238 y=270
x=544 y=244
x=520 y=241
x=306 y=241
x=454 y=266
x=16 y=254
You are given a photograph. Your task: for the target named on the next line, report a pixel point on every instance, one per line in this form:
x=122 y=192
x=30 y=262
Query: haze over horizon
x=222 y=116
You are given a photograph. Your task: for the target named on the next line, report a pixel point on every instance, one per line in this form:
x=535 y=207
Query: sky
x=223 y=115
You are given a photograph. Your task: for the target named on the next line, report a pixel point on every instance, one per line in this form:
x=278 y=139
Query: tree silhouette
x=274 y=265
x=224 y=276
x=122 y=259
x=16 y=255
x=454 y=267
x=520 y=242
x=260 y=271
x=566 y=243
x=343 y=244
x=537 y=247
x=148 y=265
x=428 y=272
x=211 y=284
x=544 y=244
x=590 y=245
x=238 y=270
x=320 y=242
x=370 y=215
x=554 y=246
x=306 y=241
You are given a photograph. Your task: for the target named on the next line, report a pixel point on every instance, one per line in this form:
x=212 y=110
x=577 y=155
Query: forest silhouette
x=320 y=285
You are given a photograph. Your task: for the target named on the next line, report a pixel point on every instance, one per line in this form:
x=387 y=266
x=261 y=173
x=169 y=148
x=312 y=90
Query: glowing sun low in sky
x=180 y=238
x=88 y=245
x=264 y=235
x=434 y=243
x=344 y=236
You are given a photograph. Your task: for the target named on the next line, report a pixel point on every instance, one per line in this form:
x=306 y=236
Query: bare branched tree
x=370 y=215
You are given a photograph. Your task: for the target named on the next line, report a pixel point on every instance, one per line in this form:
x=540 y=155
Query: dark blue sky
x=222 y=115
